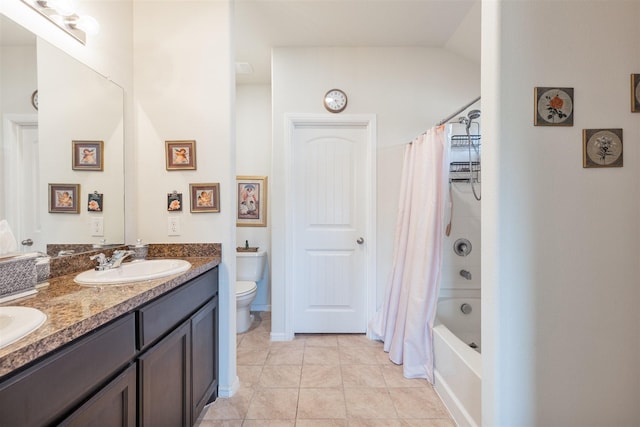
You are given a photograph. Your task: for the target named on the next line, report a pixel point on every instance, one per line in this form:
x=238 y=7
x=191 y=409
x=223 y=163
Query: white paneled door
x=330 y=204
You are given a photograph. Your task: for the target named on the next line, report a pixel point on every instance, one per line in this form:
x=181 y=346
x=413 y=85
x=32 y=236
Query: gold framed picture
x=252 y=201
x=63 y=198
x=87 y=155
x=180 y=155
x=205 y=197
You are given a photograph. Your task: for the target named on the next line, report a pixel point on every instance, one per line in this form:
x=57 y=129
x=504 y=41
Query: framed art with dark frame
x=174 y=202
x=88 y=155
x=180 y=155
x=635 y=93
x=252 y=201
x=602 y=148
x=63 y=198
x=95 y=202
x=553 y=106
x=205 y=197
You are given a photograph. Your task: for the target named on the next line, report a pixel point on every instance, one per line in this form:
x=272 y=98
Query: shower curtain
x=405 y=321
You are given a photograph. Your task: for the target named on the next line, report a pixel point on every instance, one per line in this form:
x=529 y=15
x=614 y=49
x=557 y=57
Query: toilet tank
x=250 y=265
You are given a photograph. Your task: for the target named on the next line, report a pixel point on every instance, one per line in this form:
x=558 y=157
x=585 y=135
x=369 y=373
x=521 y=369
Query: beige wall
x=561 y=328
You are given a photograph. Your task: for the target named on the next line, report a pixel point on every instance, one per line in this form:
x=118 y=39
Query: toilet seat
x=244 y=288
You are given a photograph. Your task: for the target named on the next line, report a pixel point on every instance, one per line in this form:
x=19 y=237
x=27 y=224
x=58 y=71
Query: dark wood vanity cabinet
x=156 y=366
x=178 y=373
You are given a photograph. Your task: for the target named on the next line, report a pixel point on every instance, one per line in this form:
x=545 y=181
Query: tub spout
x=466 y=274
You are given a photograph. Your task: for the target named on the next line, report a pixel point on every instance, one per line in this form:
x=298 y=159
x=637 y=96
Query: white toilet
x=249 y=269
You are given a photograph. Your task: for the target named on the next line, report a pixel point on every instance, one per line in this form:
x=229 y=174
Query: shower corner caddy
x=464 y=171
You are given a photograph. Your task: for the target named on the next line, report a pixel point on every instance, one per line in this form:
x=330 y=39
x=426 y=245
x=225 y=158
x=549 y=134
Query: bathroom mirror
x=72 y=103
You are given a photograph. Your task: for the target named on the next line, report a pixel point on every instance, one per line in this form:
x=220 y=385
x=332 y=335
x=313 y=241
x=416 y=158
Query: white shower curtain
x=405 y=321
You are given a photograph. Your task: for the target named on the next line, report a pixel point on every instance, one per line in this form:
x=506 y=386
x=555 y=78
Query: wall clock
x=335 y=101
x=34 y=99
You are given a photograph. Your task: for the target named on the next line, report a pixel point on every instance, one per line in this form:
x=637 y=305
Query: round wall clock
x=34 y=99
x=335 y=101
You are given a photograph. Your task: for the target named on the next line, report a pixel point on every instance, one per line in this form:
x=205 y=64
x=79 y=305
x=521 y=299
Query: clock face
x=335 y=100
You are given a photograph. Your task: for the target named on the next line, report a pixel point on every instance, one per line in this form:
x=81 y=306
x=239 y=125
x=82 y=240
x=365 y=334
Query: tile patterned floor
x=322 y=380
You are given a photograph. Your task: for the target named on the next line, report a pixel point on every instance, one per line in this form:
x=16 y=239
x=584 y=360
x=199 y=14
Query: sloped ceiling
x=263 y=24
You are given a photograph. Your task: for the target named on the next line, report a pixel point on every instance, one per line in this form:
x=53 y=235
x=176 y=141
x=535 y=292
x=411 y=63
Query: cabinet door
x=113 y=406
x=204 y=357
x=164 y=381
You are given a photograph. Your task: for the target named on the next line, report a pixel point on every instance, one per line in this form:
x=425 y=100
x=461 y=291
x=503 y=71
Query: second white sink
x=133 y=272
x=17 y=322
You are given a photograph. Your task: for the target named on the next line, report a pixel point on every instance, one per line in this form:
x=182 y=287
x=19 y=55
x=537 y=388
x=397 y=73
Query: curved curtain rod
x=443 y=121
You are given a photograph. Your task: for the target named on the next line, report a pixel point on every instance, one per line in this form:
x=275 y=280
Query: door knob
x=27 y=242
x=360 y=241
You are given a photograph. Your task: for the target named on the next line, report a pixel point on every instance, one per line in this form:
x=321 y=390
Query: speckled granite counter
x=73 y=310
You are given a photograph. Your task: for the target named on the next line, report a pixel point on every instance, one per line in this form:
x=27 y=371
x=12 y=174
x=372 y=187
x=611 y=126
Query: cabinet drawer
x=161 y=316
x=50 y=389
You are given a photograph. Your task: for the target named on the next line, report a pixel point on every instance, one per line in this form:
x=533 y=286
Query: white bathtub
x=458 y=366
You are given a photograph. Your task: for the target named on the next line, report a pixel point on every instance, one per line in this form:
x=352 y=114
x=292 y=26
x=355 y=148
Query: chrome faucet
x=119 y=256
x=116 y=259
x=466 y=274
x=103 y=262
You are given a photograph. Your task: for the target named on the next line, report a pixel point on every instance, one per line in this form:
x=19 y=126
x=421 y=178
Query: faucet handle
x=102 y=260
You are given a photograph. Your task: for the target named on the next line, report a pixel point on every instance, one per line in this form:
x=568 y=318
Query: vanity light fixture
x=63 y=14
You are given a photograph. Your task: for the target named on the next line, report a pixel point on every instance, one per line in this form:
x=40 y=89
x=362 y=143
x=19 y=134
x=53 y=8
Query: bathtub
x=457 y=365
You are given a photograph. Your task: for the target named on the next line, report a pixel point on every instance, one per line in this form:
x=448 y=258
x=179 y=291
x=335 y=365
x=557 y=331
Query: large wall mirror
x=38 y=130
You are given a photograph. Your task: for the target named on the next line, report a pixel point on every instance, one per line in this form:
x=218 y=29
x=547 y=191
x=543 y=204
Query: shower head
x=473 y=114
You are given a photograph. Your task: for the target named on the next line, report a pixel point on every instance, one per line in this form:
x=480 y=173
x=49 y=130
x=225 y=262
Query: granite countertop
x=73 y=310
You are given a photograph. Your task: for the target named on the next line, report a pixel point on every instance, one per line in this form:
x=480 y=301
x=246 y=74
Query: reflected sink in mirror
x=136 y=271
x=18 y=322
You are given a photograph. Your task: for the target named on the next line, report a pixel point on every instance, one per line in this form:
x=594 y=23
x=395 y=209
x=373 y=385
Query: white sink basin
x=137 y=271
x=18 y=322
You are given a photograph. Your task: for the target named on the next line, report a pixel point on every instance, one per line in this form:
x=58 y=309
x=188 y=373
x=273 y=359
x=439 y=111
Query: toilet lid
x=244 y=287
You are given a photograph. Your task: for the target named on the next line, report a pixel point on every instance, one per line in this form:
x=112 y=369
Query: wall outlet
x=97 y=226
x=173 y=226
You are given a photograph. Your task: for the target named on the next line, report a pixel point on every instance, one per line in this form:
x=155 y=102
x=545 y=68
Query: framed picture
x=553 y=106
x=174 y=202
x=94 y=202
x=63 y=198
x=635 y=93
x=601 y=148
x=88 y=155
x=180 y=155
x=205 y=197
x=252 y=201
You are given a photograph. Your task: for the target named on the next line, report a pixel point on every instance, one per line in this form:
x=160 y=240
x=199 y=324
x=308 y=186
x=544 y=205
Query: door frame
x=368 y=121
x=11 y=125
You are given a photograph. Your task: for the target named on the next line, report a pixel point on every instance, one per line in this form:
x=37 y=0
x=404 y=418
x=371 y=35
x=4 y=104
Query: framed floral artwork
x=205 y=197
x=88 y=155
x=174 y=202
x=602 y=148
x=553 y=106
x=252 y=201
x=180 y=155
x=94 y=202
x=63 y=198
x=635 y=93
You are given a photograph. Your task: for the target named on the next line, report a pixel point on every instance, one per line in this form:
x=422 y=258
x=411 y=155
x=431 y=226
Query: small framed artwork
x=602 y=148
x=252 y=201
x=88 y=155
x=553 y=106
x=635 y=93
x=94 y=202
x=63 y=198
x=205 y=197
x=180 y=155
x=174 y=202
